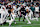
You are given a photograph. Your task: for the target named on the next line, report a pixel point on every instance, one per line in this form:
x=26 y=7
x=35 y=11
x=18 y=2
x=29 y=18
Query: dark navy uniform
x=23 y=11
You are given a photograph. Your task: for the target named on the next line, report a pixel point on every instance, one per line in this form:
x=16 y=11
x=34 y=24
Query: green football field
x=23 y=24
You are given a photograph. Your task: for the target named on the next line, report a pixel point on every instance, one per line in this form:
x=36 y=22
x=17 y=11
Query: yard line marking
x=21 y=25
x=26 y=25
x=18 y=25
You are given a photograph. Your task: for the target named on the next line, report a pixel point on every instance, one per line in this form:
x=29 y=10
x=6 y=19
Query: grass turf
x=23 y=24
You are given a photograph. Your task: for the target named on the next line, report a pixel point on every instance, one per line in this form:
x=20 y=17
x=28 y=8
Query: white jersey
x=2 y=16
x=29 y=10
x=14 y=7
x=36 y=9
x=6 y=12
x=3 y=7
x=18 y=10
x=13 y=12
x=27 y=7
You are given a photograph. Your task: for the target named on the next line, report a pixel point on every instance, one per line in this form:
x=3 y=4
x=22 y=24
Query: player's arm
x=12 y=11
x=27 y=11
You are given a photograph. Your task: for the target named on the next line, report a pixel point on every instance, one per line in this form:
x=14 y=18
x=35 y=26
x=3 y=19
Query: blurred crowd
x=32 y=5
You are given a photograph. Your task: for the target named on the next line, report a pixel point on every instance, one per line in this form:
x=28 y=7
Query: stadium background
x=19 y=0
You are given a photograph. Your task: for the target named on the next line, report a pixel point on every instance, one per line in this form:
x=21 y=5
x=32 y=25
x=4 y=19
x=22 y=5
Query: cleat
x=15 y=22
x=29 y=23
